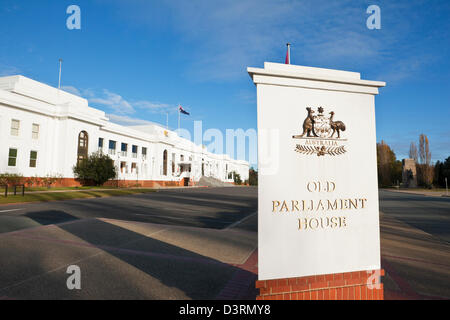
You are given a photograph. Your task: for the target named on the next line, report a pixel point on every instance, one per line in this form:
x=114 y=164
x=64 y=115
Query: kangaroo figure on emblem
x=308 y=124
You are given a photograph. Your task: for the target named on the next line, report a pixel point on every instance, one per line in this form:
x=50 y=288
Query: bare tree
x=413 y=152
x=426 y=170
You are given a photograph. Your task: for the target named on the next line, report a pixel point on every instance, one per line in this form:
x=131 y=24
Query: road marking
x=240 y=221
x=11 y=210
x=182 y=218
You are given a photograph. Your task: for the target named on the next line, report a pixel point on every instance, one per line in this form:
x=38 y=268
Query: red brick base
x=361 y=285
x=71 y=182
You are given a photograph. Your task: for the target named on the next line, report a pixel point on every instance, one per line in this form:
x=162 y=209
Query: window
x=165 y=162
x=83 y=142
x=144 y=153
x=203 y=167
x=123 y=167
x=134 y=167
x=15 y=126
x=35 y=131
x=12 y=158
x=33 y=159
x=124 y=149
x=100 y=143
x=173 y=164
x=112 y=147
x=134 y=150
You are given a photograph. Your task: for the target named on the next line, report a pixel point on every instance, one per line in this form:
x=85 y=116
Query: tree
x=95 y=170
x=253 y=177
x=413 y=152
x=389 y=169
x=425 y=171
x=442 y=171
x=237 y=178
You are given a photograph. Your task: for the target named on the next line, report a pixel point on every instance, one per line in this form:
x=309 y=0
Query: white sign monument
x=318 y=191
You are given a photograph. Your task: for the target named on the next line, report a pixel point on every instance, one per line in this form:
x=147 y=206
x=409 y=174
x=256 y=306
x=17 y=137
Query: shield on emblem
x=322 y=126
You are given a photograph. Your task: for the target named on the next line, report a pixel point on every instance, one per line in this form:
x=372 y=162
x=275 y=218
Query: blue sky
x=138 y=59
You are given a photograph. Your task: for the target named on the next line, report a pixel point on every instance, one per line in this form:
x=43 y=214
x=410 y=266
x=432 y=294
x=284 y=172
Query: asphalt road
x=428 y=213
x=193 y=244
x=415 y=248
x=215 y=208
x=172 y=244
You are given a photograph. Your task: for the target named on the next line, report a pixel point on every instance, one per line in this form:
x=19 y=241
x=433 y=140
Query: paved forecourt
x=126 y=255
x=183 y=244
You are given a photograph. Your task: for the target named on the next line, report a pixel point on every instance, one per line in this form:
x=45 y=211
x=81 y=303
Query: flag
x=180 y=108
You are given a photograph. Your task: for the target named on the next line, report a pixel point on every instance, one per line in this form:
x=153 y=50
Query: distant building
x=45 y=131
x=409 y=173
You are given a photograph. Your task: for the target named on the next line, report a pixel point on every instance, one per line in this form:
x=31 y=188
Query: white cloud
x=155 y=107
x=6 y=70
x=72 y=90
x=126 y=120
x=126 y=107
x=227 y=36
x=121 y=108
x=113 y=101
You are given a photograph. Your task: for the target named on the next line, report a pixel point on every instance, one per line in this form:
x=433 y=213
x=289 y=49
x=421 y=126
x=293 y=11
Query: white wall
x=61 y=118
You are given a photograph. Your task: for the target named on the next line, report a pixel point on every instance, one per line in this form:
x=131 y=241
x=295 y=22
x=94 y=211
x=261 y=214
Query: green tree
x=396 y=171
x=442 y=171
x=389 y=169
x=237 y=178
x=95 y=170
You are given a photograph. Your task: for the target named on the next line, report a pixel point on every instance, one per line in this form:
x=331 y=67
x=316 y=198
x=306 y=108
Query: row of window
x=15 y=129
x=13 y=154
x=123 y=148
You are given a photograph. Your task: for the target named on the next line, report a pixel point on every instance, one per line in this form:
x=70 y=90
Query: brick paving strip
x=242 y=285
x=406 y=291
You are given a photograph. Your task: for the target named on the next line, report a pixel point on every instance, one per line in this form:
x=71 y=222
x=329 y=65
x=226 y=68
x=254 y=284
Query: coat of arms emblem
x=321 y=134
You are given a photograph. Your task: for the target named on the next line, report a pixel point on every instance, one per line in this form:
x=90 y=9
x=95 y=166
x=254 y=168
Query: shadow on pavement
x=199 y=277
x=50 y=217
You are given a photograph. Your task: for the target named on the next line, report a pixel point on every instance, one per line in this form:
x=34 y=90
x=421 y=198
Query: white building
x=45 y=131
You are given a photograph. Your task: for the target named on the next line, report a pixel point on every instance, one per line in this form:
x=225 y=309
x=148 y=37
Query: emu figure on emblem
x=337 y=126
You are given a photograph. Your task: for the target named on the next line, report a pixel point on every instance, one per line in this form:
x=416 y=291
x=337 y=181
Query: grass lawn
x=52 y=196
x=31 y=189
x=418 y=189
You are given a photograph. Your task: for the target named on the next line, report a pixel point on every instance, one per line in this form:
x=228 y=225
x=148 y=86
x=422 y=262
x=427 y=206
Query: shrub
x=49 y=180
x=10 y=179
x=237 y=178
x=95 y=170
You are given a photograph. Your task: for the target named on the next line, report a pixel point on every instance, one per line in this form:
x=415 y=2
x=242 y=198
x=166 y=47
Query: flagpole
x=179 y=113
x=59 y=80
x=167 y=120
x=289 y=52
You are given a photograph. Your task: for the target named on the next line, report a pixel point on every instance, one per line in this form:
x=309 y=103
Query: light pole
x=446 y=186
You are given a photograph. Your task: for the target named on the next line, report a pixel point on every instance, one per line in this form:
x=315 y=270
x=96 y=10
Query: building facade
x=45 y=131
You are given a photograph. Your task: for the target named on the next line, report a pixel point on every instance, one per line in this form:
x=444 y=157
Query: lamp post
x=446 y=186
